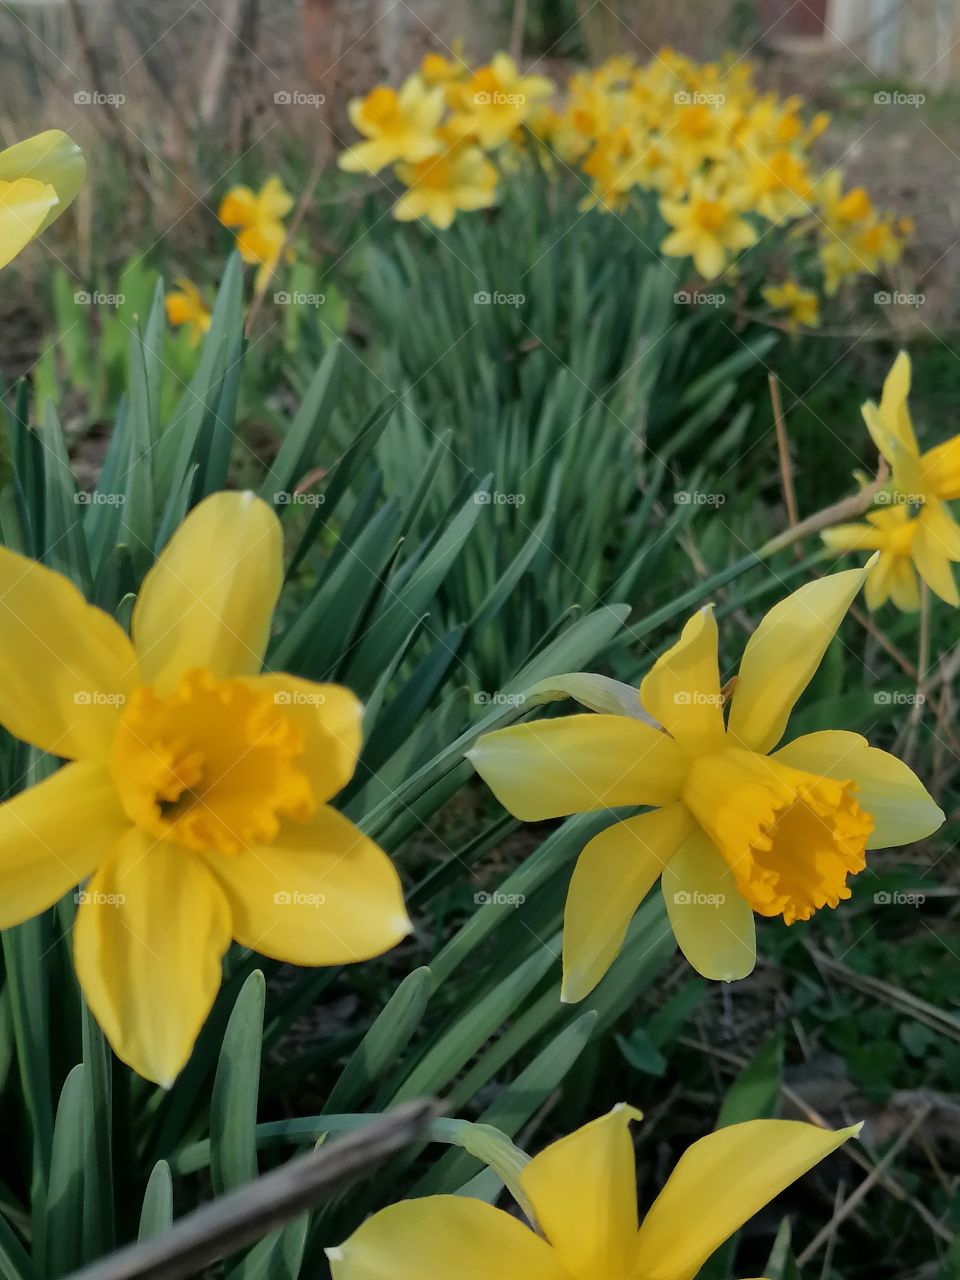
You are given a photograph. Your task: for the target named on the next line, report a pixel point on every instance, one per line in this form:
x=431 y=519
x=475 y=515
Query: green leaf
x=755 y=1094
x=233 y=1106
x=65 y=1193
x=156 y=1215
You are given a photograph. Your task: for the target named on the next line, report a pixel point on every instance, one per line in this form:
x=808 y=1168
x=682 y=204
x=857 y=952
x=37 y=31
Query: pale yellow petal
x=209 y=599
x=719 y=1184
x=597 y=693
x=24 y=206
x=442 y=1237
x=902 y=809
x=322 y=894
x=577 y=764
x=713 y=924
x=583 y=1189
x=53 y=835
x=940 y=468
x=933 y=566
x=147 y=946
x=682 y=690
x=783 y=654
x=893 y=402
x=67 y=667
x=613 y=875
x=51 y=158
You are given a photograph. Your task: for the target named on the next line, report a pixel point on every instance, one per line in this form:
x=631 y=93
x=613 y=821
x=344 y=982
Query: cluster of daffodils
x=912 y=528
x=721 y=160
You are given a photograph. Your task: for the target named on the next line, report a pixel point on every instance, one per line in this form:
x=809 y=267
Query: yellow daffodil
x=185 y=306
x=893 y=532
x=461 y=178
x=801 y=305
x=736 y=826
x=258 y=217
x=194 y=806
x=496 y=101
x=436 y=69
x=398 y=127
x=927 y=481
x=842 y=210
x=39 y=179
x=780 y=186
x=614 y=166
x=580 y=1194
x=709 y=227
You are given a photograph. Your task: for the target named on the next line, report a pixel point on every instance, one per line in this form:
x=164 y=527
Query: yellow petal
x=67 y=666
x=583 y=1189
x=940 y=528
x=902 y=809
x=904 y=587
x=783 y=654
x=323 y=893
x=238 y=207
x=576 y=764
x=53 y=835
x=147 y=945
x=24 y=206
x=331 y=718
x=854 y=537
x=940 y=468
x=439 y=1237
x=719 y=1184
x=597 y=693
x=682 y=691
x=209 y=599
x=893 y=402
x=713 y=924
x=51 y=158
x=612 y=877
x=933 y=566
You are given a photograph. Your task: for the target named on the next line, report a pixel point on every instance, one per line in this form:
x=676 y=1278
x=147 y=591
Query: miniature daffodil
x=186 y=307
x=398 y=127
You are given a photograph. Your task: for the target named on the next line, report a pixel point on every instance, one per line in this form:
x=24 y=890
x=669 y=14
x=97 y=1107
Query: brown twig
x=783 y=451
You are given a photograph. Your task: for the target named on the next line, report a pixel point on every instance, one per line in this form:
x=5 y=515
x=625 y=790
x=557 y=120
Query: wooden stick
x=216 y=1230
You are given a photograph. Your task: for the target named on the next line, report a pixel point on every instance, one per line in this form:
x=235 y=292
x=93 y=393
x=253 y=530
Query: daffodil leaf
x=298 y=451
x=68 y=1171
x=233 y=1105
x=276 y=1257
x=156 y=1215
x=755 y=1094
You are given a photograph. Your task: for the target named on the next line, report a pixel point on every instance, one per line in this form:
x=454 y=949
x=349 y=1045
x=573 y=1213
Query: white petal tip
x=871 y=562
x=248 y=496
x=856 y=1129
x=404 y=926
x=334 y=1255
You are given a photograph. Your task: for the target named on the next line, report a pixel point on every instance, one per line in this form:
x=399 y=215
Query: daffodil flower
x=398 y=127
x=582 y=1193
x=185 y=306
x=496 y=101
x=904 y=551
x=194 y=807
x=801 y=305
x=709 y=227
x=736 y=826
x=39 y=179
x=926 y=480
x=462 y=178
x=258 y=217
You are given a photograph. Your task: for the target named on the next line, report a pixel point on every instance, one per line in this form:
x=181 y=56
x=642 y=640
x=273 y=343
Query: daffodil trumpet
x=582 y=1192
x=737 y=825
x=194 y=807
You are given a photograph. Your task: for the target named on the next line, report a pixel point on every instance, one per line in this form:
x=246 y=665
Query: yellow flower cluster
x=722 y=159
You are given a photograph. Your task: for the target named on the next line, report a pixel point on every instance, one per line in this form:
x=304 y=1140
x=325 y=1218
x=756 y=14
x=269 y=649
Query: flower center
x=790 y=838
x=710 y=215
x=212 y=766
